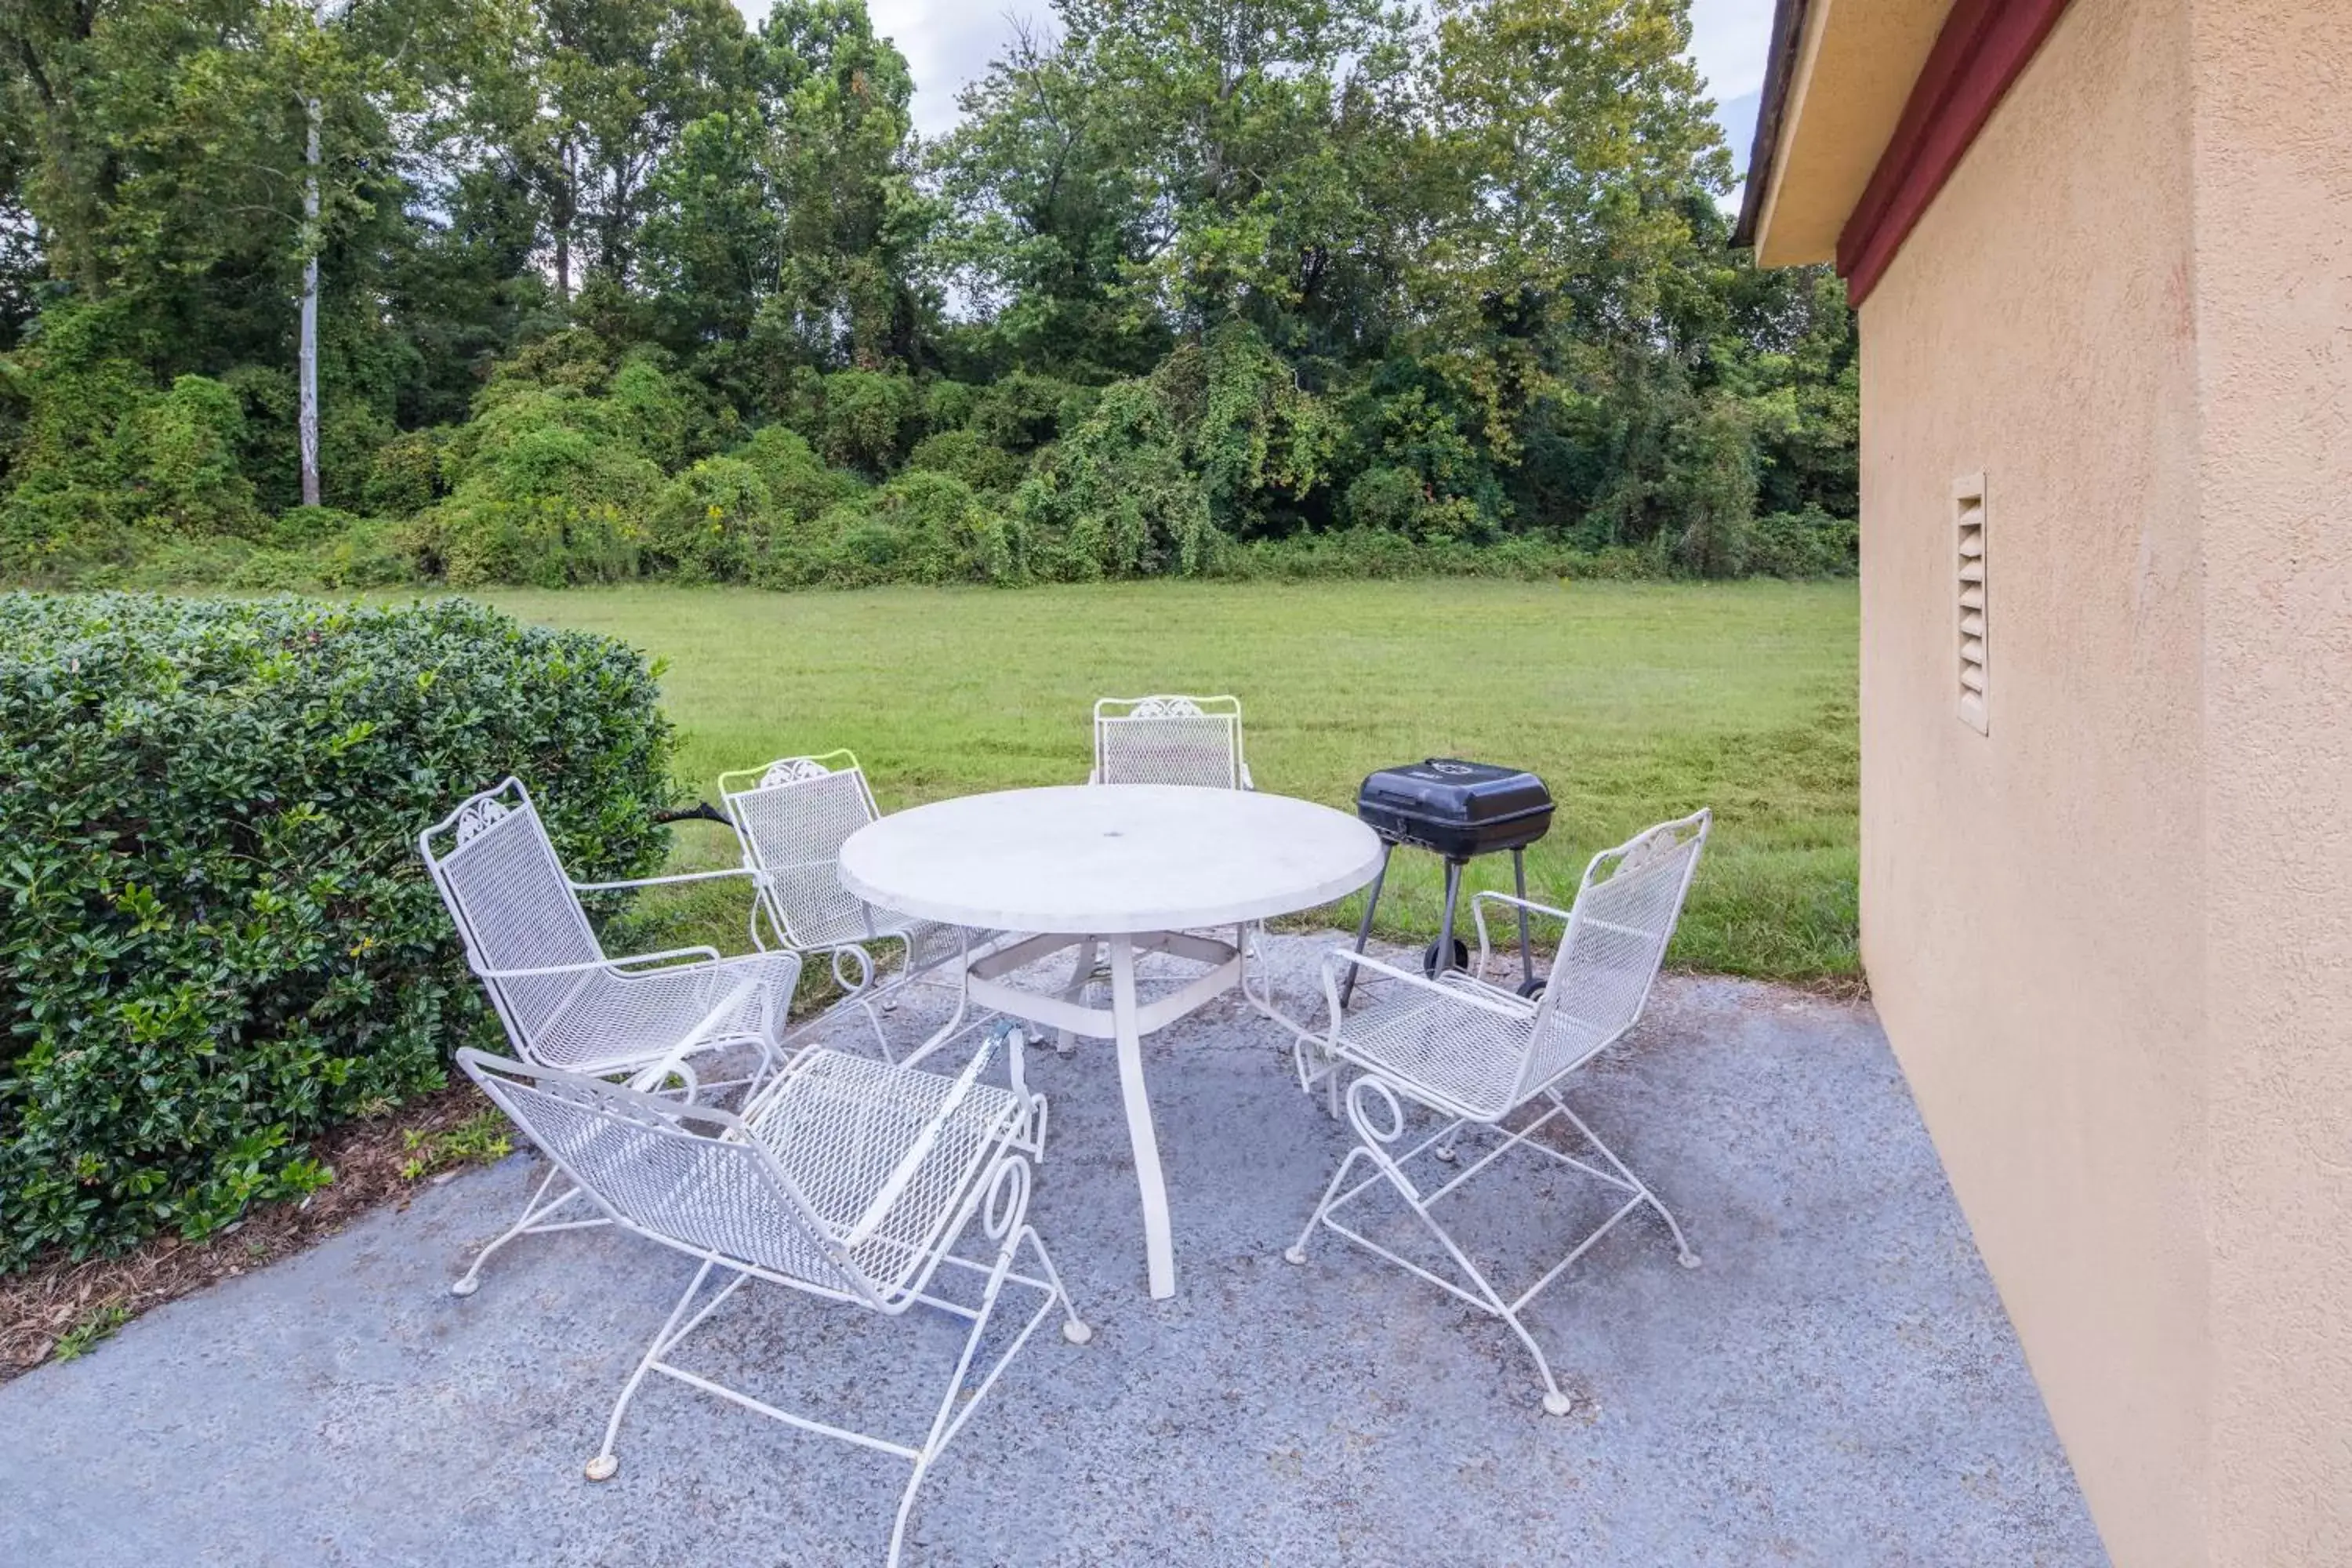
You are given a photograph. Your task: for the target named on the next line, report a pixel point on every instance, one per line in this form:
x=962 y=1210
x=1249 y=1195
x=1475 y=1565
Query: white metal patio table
x=1136 y=868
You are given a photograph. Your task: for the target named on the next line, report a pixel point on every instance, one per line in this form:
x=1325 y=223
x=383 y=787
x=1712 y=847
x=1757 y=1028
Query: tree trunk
x=565 y=208
x=310 y=347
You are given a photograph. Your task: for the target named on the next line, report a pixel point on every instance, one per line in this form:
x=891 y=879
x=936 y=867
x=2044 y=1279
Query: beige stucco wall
x=2033 y=901
x=2111 y=941
x=2273 y=180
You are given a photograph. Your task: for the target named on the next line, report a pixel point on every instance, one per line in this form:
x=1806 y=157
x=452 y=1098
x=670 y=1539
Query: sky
x=949 y=42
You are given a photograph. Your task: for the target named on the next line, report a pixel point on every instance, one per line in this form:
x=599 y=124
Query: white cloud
x=947 y=43
x=1730 y=40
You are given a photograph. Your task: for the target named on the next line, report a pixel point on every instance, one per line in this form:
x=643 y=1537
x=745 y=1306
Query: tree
x=840 y=172
x=596 y=93
x=175 y=176
x=1186 y=162
x=712 y=242
x=1568 y=136
x=1047 y=216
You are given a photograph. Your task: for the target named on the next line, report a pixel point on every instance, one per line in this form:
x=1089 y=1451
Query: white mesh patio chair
x=1476 y=1055
x=848 y=1179
x=565 y=1002
x=792 y=818
x=1171 y=739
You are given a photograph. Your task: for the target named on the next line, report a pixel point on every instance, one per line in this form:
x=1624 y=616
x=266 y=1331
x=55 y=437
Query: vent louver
x=1968 y=540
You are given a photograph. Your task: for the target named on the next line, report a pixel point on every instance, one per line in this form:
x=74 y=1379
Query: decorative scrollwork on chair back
x=475 y=818
x=1164 y=708
x=792 y=770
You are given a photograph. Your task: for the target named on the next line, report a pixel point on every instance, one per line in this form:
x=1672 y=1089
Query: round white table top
x=1110 y=860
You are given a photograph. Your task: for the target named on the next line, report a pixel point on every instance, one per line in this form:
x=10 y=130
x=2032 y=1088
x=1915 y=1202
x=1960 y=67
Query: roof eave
x=1763 y=157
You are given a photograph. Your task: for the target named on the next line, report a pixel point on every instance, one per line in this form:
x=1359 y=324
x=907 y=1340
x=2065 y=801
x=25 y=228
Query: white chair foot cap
x=1076 y=1333
x=1557 y=1404
x=465 y=1286
x=1294 y=1255
x=1688 y=1260
x=601 y=1468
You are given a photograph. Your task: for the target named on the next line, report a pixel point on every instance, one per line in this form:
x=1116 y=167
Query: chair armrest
x=660 y=881
x=1478 y=902
x=653 y=1075
x=699 y=954
x=902 y=1174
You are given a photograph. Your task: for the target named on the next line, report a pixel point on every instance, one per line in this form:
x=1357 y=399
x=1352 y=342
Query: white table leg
x=1159 y=1251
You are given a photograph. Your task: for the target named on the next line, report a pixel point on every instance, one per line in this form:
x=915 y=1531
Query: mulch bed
x=47 y=1302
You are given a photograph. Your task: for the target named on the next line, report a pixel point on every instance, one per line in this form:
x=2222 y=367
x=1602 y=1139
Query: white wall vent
x=1969 y=603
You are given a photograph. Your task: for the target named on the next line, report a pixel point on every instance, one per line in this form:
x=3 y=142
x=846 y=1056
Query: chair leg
x=1372 y=1147
x=1682 y=1253
x=881 y=1036
x=1001 y=1210
x=534 y=1214
x=1258 y=990
x=1305 y=1052
x=606 y=1463
x=1037 y=1144
x=950 y=1419
x=1016 y=1045
x=863 y=992
x=1297 y=1250
x=1075 y=1328
x=1081 y=975
x=1556 y=1401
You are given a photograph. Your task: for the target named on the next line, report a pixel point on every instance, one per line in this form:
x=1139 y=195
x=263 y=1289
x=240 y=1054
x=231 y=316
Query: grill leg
x=1364 y=926
x=1445 y=932
x=1519 y=879
x=1453 y=869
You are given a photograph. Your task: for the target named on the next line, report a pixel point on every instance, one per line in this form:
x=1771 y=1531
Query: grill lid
x=1457 y=809
x=1447 y=789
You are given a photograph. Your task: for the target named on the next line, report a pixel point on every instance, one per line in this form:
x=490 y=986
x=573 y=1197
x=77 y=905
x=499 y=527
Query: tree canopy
x=605 y=281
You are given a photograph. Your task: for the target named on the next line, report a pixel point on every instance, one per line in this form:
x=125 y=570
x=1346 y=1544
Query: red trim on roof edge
x=1985 y=44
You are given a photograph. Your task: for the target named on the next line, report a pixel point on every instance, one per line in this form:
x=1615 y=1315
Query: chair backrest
x=792 y=817
x=1624 y=915
x=1169 y=739
x=693 y=1176
x=498 y=875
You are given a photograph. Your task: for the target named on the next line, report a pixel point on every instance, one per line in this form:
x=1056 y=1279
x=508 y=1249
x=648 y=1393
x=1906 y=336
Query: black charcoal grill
x=1456 y=810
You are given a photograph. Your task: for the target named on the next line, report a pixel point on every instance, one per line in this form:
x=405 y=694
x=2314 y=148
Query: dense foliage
x=627 y=287
x=217 y=935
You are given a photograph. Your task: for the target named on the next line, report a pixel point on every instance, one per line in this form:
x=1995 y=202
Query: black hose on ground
x=701 y=810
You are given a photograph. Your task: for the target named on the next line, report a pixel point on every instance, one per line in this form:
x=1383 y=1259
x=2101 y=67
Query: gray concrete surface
x=1837 y=1385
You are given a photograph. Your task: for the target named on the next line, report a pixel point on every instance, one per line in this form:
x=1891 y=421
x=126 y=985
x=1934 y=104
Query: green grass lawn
x=1635 y=701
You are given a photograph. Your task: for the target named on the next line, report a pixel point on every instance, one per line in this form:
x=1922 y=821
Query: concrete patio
x=1838 y=1384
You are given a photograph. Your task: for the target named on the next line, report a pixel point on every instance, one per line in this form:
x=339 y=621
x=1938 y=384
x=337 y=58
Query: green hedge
x=217 y=937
